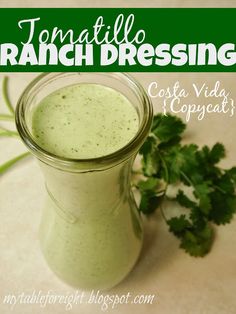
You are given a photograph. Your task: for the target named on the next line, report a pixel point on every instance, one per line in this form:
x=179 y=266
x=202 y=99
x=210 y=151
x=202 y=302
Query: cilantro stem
x=9 y=133
x=166 y=186
x=219 y=189
x=4 y=167
x=7 y=117
x=155 y=137
x=187 y=178
x=165 y=169
x=6 y=96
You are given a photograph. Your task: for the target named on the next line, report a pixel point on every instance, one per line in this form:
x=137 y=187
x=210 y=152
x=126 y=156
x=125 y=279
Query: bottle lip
x=89 y=164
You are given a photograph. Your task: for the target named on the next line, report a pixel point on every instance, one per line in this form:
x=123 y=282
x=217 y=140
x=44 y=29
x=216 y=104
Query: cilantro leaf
x=180 y=159
x=149 y=199
x=198 y=219
x=167 y=127
x=232 y=173
x=197 y=242
x=184 y=201
x=151 y=184
x=149 y=203
x=212 y=156
x=150 y=160
x=217 y=153
x=225 y=183
x=164 y=146
x=223 y=207
x=178 y=225
x=202 y=192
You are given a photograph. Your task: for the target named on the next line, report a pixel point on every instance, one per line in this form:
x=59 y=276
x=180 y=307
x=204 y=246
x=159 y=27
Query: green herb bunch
x=166 y=162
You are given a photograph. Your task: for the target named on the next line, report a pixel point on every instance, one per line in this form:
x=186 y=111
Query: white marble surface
x=182 y=284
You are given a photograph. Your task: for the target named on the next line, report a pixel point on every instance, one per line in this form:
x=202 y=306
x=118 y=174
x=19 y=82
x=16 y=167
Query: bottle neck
x=88 y=194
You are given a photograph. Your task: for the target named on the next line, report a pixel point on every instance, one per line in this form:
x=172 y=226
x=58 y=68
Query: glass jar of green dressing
x=85 y=129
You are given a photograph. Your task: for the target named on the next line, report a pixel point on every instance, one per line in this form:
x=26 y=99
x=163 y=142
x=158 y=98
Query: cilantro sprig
x=167 y=162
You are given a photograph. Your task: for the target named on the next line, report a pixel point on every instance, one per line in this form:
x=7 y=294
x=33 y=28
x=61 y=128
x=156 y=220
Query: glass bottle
x=91 y=230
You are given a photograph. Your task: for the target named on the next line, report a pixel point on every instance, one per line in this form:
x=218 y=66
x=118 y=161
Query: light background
x=182 y=284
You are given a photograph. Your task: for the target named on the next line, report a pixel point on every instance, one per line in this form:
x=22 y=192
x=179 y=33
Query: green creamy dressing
x=90 y=231
x=84 y=121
